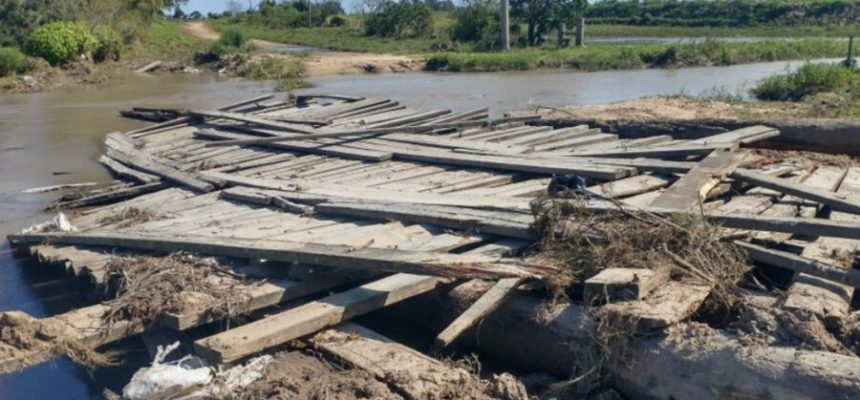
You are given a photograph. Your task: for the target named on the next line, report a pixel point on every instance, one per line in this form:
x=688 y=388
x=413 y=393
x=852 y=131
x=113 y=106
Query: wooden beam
x=836 y=201
x=126 y=172
x=847 y=276
x=112 y=196
x=413 y=374
x=325 y=148
x=486 y=304
x=691 y=189
x=253 y=120
x=312 y=317
x=338 y=134
x=371 y=259
x=656 y=152
x=149 y=164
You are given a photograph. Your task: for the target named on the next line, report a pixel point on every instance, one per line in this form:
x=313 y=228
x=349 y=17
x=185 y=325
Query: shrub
x=110 y=44
x=400 y=19
x=60 y=42
x=337 y=20
x=476 y=23
x=11 y=61
x=231 y=41
x=808 y=80
x=232 y=38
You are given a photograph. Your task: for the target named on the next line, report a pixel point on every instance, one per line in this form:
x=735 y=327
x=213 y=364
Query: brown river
x=55 y=137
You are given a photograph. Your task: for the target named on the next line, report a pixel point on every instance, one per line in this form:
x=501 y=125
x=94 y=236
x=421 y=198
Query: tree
x=545 y=15
x=195 y=15
x=178 y=13
x=234 y=8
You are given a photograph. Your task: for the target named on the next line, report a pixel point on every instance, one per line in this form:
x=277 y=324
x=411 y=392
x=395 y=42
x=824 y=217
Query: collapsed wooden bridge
x=377 y=203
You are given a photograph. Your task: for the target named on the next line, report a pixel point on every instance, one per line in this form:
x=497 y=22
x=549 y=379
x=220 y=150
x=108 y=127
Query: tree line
x=718 y=13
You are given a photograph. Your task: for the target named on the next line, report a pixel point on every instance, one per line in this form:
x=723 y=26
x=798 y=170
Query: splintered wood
x=334 y=207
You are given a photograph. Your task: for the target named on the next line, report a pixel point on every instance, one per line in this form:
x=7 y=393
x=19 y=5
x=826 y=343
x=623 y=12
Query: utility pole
x=506 y=26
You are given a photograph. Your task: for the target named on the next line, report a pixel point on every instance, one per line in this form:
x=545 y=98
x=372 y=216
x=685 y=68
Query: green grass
x=809 y=80
x=165 y=39
x=760 y=31
x=288 y=71
x=331 y=38
x=594 y=58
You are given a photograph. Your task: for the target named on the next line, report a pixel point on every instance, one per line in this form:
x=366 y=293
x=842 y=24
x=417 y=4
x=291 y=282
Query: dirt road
x=327 y=62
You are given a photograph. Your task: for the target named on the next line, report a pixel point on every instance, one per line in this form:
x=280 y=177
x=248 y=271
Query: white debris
x=189 y=378
x=52 y=188
x=59 y=223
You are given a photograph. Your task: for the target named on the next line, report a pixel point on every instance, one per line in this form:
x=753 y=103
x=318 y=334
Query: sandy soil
x=328 y=62
x=648 y=109
x=299 y=376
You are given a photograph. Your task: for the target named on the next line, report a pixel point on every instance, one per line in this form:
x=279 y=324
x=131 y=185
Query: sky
x=218 y=6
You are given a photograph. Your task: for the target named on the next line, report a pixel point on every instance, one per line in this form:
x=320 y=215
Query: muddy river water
x=55 y=137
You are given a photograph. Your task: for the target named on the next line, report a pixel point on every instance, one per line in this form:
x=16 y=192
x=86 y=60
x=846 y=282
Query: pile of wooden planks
x=411 y=200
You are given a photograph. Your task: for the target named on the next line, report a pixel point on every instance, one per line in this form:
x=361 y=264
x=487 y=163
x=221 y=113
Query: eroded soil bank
x=812 y=125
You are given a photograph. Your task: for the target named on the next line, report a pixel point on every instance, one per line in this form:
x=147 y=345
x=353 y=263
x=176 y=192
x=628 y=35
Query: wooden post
x=580 y=32
x=561 y=30
x=505 y=26
x=849 y=61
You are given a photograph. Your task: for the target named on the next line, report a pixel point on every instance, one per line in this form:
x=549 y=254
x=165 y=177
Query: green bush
x=231 y=41
x=110 y=44
x=11 y=61
x=232 y=38
x=60 y=42
x=476 y=23
x=808 y=80
x=400 y=19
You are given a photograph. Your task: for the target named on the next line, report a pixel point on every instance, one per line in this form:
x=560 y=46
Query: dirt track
x=327 y=62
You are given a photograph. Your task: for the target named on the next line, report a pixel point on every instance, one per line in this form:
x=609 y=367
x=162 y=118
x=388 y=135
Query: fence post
x=505 y=26
x=580 y=32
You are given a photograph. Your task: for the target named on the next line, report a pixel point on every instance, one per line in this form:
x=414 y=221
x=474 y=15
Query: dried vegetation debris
x=587 y=242
x=23 y=337
x=129 y=216
x=143 y=287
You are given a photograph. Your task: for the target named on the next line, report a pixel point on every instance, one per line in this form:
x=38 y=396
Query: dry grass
x=587 y=242
x=144 y=287
x=129 y=216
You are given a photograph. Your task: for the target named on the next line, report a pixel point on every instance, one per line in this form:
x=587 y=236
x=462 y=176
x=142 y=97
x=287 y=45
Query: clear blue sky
x=207 y=6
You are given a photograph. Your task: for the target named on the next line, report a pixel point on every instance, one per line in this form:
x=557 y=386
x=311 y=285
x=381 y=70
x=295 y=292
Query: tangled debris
x=141 y=288
x=22 y=336
x=587 y=242
x=130 y=216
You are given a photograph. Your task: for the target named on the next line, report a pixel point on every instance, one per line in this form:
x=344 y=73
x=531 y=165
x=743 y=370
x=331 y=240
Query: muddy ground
x=326 y=63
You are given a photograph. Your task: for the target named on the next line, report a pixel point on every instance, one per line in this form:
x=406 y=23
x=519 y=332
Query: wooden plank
x=113 y=196
x=312 y=317
x=373 y=259
x=415 y=375
x=657 y=152
x=253 y=120
x=799 y=264
x=497 y=223
x=691 y=189
x=305 y=147
x=265 y=294
x=126 y=172
x=836 y=201
x=297 y=190
x=622 y=284
x=669 y=304
x=745 y=135
x=157 y=167
x=486 y=304
x=631 y=186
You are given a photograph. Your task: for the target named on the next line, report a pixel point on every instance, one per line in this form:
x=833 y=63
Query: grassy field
x=165 y=39
x=612 y=57
x=589 y=58
x=802 y=31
